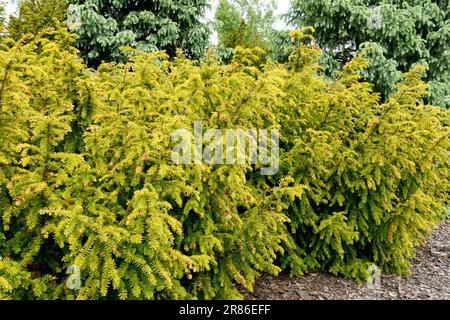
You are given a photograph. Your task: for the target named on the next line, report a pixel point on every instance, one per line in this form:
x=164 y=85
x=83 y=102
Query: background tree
x=228 y=21
x=36 y=15
x=393 y=35
x=245 y=23
x=2 y=16
x=106 y=26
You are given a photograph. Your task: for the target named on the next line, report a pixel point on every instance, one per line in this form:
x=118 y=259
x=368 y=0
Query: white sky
x=11 y=6
x=282 y=8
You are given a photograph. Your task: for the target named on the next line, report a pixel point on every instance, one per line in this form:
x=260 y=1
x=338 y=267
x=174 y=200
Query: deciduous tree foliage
x=393 y=35
x=86 y=177
x=106 y=26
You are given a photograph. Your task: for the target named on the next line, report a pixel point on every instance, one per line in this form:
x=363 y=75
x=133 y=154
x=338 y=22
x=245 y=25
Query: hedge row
x=86 y=177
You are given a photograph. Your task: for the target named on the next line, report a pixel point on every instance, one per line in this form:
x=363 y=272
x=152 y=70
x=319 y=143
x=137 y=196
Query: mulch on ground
x=429 y=279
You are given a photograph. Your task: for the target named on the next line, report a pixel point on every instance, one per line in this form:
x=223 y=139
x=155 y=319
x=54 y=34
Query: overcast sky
x=282 y=8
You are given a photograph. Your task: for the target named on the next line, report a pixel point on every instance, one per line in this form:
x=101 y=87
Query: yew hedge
x=86 y=177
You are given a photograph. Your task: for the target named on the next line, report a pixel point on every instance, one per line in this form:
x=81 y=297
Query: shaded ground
x=430 y=279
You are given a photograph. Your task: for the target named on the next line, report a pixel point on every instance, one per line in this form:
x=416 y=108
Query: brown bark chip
x=429 y=279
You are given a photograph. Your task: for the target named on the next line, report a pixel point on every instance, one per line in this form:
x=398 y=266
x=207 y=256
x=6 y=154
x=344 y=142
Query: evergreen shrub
x=86 y=177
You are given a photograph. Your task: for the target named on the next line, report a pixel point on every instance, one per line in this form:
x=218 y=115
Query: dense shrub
x=374 y=175
x=87 y=180
x=86 y=177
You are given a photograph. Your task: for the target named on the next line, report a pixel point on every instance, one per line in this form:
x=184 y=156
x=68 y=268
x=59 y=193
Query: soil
x=429 y=279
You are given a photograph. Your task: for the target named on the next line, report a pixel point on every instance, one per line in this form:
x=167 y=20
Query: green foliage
x=106 y=26
x=393 y=36
x=244 y=23
x=35 y=16
x=365 y=197
x=280 y=46
x=447 y=215
x=87 y=180
x=228 y=21
x=2 y=16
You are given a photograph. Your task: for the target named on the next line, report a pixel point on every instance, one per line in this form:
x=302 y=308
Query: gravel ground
x=429 y=280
